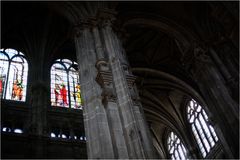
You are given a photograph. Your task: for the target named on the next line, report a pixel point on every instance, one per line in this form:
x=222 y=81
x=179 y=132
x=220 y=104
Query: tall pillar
x=37 y=128
x=135 y=129
x=220 y=103
x=114 y=122
x=109 y=100
x=99 y=142
x=39 y=99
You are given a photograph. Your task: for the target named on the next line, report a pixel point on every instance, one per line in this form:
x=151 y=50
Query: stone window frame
x=177 y=146
x=203 y=131
x=17 y=54
x=73 y=65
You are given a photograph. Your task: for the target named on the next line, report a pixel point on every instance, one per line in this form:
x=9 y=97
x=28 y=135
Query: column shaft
x=99 y=143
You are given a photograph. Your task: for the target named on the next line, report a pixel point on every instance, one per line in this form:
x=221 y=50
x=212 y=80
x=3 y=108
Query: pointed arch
x=175 y=147
x=65 y=85
x=13 y=75
x=204 y=132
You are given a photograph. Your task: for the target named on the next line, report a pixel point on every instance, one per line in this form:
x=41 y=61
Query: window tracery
x=65 y=86
x=13 y=75
x=204 y=133
x=176 y=148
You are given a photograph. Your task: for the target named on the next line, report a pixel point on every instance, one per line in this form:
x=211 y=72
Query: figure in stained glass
x=57 y=93
x=63 y=93
x=78 y=97
x=13 y=75
x=1 y=85
x=65 y=87
x=2 y=82
x=17 y=90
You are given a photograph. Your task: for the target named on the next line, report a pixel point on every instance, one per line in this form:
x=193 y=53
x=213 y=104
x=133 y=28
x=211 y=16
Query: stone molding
x=104 y=17
x=105 y=80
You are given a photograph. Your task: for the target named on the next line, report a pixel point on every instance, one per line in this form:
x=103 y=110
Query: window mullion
x=6 y=82
x=69 y=96
x=179 y=155
x=208 y=126
x=174 y=152
x=208 y=129
x=204 y=132
x=184 y=153
x=181 y=151
x=200 y=138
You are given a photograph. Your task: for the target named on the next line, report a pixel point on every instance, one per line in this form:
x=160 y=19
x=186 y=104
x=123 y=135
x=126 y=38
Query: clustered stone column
x=218 y=99
x=113 y=118
x=99 y=142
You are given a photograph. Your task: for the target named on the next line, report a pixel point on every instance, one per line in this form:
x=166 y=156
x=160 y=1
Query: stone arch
x=156 y=115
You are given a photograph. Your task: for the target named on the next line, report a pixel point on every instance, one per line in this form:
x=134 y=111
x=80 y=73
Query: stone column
x=113 y=119
x=37 y=128
x=136 y=133
x=222 y=106
x=99 y=142
x=144 y=129
x=39 y=105
x=104 y=79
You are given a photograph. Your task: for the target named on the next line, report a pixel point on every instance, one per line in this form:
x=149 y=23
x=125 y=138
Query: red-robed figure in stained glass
x=63 y=93
x=1 y=86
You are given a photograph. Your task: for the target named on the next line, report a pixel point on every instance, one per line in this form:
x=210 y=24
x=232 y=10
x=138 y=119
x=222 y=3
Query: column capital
x=105 y=17
x=81 y=25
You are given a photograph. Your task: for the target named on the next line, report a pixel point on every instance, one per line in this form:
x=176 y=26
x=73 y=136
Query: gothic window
x=176 y=148
x=204 y=133
x=65 y=87
x=13 y=75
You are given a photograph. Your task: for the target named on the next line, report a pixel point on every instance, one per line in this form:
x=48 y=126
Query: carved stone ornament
x=102 y=65
x=108 y=95
x=130 y=80
x=104 y=78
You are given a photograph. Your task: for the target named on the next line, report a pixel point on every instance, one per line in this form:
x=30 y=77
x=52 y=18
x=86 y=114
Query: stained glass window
x=13 y=75
x=176 y=148
x=204 y=133
x=65 y=86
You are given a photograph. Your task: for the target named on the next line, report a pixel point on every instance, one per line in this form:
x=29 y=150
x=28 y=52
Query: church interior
x=119 y=80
